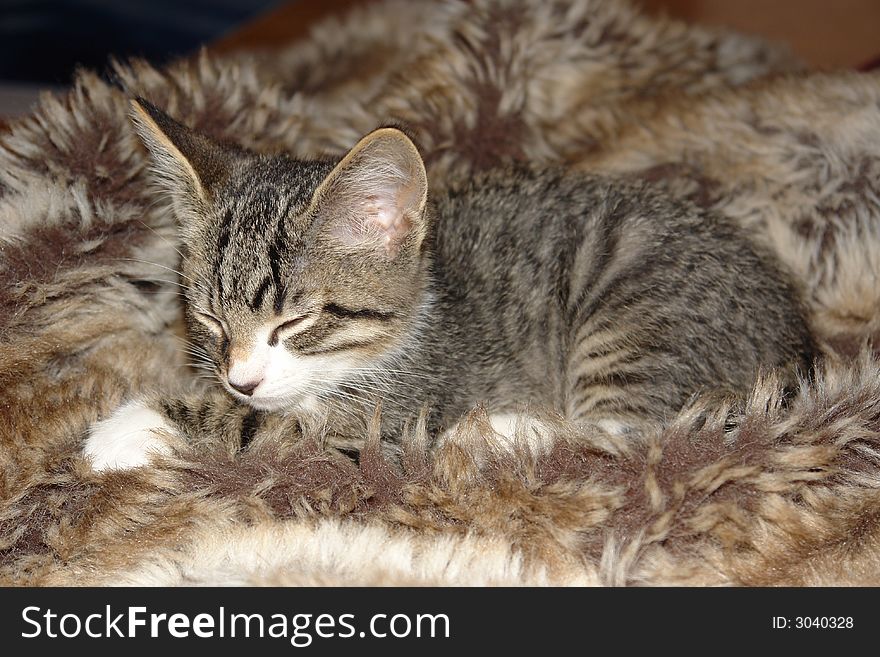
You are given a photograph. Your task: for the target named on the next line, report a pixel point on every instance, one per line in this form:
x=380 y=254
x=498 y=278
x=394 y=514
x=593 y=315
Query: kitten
x=320 y=288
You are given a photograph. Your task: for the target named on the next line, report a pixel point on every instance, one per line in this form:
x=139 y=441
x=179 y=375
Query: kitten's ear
x=187 y=163
x=376 y=196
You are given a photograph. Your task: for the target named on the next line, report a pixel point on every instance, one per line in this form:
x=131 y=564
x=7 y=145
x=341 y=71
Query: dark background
x=41 y=41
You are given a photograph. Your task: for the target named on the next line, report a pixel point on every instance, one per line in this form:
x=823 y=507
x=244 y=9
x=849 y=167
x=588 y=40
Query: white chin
x=291 y=404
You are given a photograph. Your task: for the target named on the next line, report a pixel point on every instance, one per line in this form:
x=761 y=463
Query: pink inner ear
x=379 y=213
x=383 y=215
x=375 y=194
x=376 y=219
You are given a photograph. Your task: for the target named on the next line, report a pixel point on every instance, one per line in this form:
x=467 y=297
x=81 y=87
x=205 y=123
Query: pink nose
x=245 y=388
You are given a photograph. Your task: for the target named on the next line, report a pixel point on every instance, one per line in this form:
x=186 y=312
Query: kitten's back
x=639 y=302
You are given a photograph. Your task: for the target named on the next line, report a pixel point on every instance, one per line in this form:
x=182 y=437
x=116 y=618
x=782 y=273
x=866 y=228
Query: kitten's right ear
x=375 y=197
x=186 y=163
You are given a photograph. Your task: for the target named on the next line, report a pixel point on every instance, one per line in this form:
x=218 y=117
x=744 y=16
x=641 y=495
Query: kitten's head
x=298 y=274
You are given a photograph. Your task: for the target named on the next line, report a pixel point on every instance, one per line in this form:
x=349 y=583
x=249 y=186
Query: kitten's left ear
x=375 y=197
x=187 y=164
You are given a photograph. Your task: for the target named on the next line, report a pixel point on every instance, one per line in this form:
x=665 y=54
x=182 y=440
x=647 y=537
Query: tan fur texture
x=89 y=318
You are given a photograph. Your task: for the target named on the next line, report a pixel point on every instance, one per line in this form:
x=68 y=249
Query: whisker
x=161 y=236
x=163 y=280
x=161 y=266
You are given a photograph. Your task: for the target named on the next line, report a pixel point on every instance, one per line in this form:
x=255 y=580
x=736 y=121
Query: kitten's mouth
x=271 y=405
x=256 y=400
x=276 y=404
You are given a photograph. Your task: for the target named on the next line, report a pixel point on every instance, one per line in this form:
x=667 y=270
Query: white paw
x=614 y=427
x=509 y=431
x=513 y=427
x=128 y=438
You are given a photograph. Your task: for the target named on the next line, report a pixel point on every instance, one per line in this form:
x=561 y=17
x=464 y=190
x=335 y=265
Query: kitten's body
x=596 y=298
x=325 y=288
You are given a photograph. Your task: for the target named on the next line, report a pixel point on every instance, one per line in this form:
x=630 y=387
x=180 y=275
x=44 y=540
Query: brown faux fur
x=788 y=497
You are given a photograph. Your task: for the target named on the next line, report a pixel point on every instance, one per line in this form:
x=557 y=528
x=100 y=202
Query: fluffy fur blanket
x=89 y=317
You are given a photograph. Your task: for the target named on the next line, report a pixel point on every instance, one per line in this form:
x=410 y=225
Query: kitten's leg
x=128 y=438
x=513 y=427
x=620 y=419
x=617 y=426
x=141 y=429
x=507 y=431
x=615 y=384
x=611 y=407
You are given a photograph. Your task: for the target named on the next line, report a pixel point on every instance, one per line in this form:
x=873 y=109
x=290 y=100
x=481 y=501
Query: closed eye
x=214 y=324
x=279 y=331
